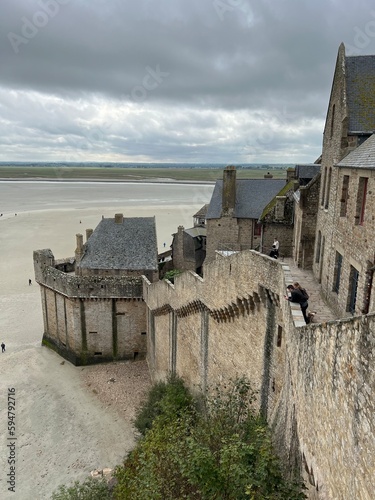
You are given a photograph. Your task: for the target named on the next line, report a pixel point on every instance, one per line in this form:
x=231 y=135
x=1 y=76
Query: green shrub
x=90 y=489
x=170 y=275
x=222 y=452
x=168 y=398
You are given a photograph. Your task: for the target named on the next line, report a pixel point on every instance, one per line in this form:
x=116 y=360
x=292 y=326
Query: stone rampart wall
x=315 y=382
x=55 y=275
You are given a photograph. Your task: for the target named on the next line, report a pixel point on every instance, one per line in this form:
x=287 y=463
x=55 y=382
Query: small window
x=344 y=196
x=353 y=287
x=361 y=201
x=98 y=353
x=257 y=229
x=337 y=272
x=143 y=333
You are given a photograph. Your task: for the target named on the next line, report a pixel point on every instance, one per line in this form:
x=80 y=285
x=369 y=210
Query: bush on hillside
x=90 y=489
x=221 y=452
x=168 y=398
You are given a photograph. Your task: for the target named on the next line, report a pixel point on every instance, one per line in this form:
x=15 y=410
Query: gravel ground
x=121 y=385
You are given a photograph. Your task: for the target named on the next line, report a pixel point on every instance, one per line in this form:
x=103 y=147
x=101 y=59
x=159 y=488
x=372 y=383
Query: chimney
x=280 y=207
x=88 y=233
x=119 y=218
x=79 y=250
x=229 y=191
x=290 y=174
x=268 y=176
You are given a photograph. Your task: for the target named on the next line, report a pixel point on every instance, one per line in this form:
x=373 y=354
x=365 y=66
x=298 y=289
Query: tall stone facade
x=345 y=238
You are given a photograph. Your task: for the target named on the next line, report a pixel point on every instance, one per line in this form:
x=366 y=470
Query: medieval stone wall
x=90 y=318
x=314 y=382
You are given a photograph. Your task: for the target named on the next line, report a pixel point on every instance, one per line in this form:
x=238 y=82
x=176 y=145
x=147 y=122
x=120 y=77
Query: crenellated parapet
x=252 y=273
x=51 y=274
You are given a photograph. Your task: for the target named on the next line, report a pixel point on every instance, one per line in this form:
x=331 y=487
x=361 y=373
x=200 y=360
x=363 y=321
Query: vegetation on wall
x=170 y=275
x=214 y=448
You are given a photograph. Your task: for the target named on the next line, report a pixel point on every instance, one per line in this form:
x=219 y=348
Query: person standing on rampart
x=297 y=296
x=276 y=246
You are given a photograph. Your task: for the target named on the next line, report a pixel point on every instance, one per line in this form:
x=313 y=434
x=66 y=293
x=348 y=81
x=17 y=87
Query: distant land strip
x=92 y=174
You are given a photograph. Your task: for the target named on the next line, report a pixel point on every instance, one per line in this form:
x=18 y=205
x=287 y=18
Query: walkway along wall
x=314 y=382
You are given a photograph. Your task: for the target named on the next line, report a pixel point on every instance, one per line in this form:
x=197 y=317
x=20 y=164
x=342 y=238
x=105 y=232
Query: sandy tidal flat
x=68 y=422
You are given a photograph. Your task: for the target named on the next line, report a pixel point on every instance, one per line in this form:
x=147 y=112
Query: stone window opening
x=279 y=336
x=353 y=287
x=368 y=288
x=143 y=333
x=328 y=188
x=344 y=196
x=337 y=273
x=98 y=353
x=318 y=248
x=332 y=121
x=361 y=201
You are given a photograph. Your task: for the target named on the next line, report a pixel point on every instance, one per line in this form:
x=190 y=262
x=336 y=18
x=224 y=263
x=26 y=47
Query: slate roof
x=361 y=157
x=307 y=170
x=130 y=245
x=196 y=231
x=360 y=91
x=252 y=195
x=202 y=211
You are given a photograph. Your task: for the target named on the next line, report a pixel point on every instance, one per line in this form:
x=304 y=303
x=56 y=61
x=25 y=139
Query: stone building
x=237 y=213
x=189 y=248
x=93 y=308
x=345 y=234
x=315 y=382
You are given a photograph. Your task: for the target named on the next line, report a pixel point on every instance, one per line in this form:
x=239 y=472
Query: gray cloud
x=215 y=80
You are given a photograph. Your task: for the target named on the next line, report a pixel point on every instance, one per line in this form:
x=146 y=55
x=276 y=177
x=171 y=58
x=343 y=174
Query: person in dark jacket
x=297 y=296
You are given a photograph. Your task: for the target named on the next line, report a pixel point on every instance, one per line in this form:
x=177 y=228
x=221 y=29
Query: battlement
x=56 y=276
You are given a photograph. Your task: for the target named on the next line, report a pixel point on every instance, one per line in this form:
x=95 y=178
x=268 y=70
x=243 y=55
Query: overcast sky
x=227 y=81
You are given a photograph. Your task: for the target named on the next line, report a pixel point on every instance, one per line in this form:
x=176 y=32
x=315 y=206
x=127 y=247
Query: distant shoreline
x=121 y=181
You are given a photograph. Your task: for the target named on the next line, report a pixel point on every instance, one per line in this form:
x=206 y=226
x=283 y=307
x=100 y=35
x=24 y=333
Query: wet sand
x=67 y=422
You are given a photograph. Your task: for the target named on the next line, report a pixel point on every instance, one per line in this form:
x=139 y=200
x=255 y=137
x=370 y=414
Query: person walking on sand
x=2 y=347
x=29 y=282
